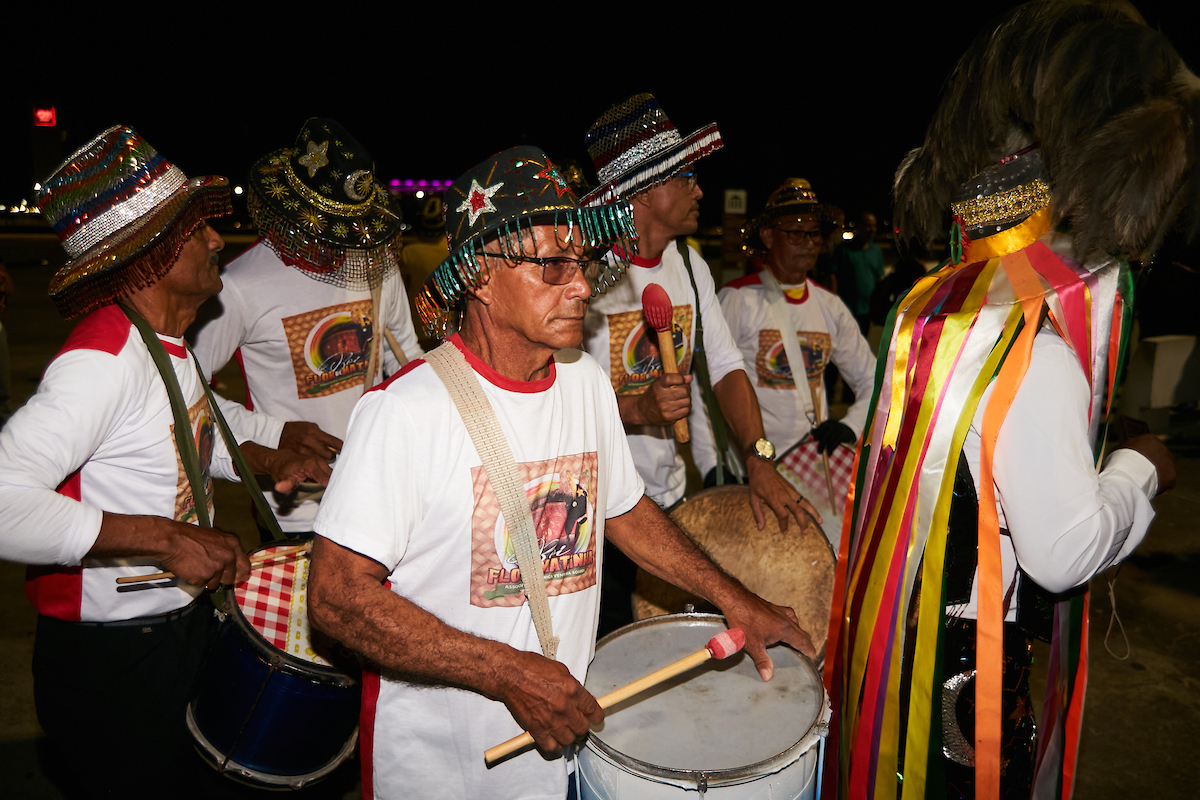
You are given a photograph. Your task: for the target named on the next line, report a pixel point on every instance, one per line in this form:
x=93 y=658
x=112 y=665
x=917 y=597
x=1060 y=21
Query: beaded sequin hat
x=321 y=210
x=793 y=200
x=122 y=212
x=502 y=199
x=634 y=147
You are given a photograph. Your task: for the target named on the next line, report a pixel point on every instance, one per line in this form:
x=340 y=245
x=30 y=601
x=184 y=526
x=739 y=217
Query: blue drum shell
x=270 y=712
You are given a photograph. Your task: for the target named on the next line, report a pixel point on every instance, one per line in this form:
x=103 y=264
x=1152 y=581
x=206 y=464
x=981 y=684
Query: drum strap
x=184 y=442
x=489 y=440
x=791 y=344
x=376 y=337
x=700 y=367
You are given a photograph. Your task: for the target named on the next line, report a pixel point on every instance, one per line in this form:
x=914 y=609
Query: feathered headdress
x=1108 y=100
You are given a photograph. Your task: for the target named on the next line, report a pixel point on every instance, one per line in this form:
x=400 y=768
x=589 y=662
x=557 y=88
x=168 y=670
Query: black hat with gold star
x=503 y=198
x=321 y=210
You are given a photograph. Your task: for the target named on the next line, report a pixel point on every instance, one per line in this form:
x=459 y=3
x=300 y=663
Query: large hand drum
x=791 y=568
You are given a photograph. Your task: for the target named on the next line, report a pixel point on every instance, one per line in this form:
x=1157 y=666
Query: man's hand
x=547 y=701
x=287 y=469
x=1157 y=453
x=307 y=439
x=666 y=400
x=830 y=433
x=205 y=556
x=767 y=485
x=766 y=624
x=200 y=556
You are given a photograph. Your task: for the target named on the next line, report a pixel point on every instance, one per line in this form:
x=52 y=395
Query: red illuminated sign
x=44 y=117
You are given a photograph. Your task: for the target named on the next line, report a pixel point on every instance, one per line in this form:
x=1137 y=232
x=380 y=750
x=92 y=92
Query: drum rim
x=300 y=666
x=717 y=777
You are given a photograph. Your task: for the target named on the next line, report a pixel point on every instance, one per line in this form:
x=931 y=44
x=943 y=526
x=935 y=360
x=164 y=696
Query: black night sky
x=836 y=94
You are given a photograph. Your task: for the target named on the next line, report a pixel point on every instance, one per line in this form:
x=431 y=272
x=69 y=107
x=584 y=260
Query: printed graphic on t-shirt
x=203 y=431
x=329 y=347
x=562 y=500
x=771 y=362
x=633 y=348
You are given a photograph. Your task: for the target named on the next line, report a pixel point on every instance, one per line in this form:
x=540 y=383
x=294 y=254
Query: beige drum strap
x=791 y=344
x=484 y=429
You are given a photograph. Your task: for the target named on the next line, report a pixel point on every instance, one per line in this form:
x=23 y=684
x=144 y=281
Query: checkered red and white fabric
x=804 y=468
x=275 y=602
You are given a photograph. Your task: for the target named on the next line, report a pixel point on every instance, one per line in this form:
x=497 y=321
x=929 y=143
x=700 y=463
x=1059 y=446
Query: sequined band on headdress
x=324 y=203
x=601 y=227
x=349 y=267
x=1004 y=207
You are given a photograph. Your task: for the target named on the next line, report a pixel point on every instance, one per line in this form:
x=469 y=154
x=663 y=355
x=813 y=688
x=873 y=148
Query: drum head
x=273 y=603
x=720 y=717
x=793 y=568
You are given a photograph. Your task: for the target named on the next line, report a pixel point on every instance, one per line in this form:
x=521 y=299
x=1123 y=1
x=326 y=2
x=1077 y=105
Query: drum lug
x=701 y=783
x=689 y=608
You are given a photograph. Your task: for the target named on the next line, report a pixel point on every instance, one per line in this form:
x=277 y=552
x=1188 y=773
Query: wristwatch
x=762 y=448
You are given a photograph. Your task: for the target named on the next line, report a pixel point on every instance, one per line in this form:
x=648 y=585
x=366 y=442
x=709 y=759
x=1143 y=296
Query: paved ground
x=1142 y=725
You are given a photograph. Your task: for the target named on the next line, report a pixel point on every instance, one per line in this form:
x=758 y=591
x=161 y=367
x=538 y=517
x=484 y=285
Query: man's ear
x=483 y=292
x=768 y=237
x=642 y=198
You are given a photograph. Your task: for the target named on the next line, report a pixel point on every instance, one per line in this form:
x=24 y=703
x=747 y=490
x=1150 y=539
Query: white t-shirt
x=409 y=492
x=302 y=345
x=827 y=333
x=616 y=335
x=1067 y=522
x=99 y=436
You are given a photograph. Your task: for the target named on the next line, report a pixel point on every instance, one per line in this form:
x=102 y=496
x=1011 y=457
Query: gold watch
x=763 y=449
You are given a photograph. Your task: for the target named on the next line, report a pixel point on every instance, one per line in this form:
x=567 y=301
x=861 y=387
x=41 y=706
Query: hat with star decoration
x=122 y=212
x=502 y=199
x=634 y=146
x=321 y=210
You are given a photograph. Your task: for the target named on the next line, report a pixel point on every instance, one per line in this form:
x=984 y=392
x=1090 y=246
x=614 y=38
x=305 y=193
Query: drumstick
x=397 y=350
x=657 y=308
x=255 y=562
x=816 y=398
x=723 y=645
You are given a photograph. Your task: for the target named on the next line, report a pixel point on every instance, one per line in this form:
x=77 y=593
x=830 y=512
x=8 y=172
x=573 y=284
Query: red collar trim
x=808 y=290
x=636 y=260
x=177 y=350
x=498 y=380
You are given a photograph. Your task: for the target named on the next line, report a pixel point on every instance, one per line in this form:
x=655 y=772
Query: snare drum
x=793 y=568
x=717 y=729
x=270 y=709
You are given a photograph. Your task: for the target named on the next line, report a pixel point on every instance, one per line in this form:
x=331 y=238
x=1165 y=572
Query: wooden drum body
x=793 y=568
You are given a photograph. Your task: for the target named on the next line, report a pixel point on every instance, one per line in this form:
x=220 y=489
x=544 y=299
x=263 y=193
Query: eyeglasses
x=688 y=175
x=798 y=236
x=558 y=270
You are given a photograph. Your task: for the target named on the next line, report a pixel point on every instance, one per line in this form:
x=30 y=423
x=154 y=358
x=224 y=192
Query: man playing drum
x=305 y=310
x=92 y=477
x=414 y=563
x=790 y=233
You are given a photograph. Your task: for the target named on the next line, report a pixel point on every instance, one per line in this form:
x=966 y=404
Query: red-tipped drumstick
x=656 y=305
x=723 y=645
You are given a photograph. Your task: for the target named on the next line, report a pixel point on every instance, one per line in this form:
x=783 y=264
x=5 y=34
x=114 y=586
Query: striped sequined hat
x=321 y=210
x=634 y=147
x=502 y=199
x=122 y=213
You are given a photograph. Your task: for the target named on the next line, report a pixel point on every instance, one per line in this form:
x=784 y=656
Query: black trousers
x=111 y=700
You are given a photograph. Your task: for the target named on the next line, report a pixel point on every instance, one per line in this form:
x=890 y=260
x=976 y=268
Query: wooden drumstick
x=656 y=305
x=816 y=398
x=723 y=645
x=257 y=561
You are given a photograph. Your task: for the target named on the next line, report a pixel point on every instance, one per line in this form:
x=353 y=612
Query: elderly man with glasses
x=781 y=300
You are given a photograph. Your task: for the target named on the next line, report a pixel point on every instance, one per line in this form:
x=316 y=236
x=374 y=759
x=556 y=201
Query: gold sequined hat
x=321 y=210
x=793 y=200
x=122 y=212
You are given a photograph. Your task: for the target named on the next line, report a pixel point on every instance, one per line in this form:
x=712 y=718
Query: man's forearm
x=739 y=406
x=657 y=545
x=356 y=608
